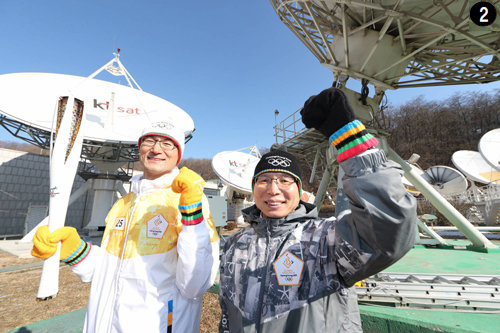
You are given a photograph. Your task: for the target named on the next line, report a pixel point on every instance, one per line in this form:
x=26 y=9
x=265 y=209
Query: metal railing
x=289 y=127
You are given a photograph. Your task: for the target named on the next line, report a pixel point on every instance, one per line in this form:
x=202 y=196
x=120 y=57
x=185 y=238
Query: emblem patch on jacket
x=288 y=269
x=156 y=227
x=120 y=223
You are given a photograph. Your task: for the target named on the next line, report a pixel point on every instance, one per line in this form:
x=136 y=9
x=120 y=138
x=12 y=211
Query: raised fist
x=327 y=112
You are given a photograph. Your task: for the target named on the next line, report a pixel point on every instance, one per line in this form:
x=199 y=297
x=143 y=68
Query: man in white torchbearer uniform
x=160 y=249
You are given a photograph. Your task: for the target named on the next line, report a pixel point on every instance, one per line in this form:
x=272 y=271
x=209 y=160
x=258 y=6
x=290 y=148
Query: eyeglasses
x=164 y=144
x=283 y=182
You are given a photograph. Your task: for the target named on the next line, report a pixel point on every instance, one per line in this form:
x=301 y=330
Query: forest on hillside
x=433 y=129
x=436 y=129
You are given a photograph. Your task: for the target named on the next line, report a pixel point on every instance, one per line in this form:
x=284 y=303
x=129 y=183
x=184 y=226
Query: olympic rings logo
x=164 y=125
x=279 y=161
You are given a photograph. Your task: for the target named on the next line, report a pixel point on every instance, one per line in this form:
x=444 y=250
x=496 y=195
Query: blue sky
x=229 y=64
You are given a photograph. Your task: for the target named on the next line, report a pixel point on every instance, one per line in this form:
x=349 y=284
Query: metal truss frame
x=92 y=150
x=439 y=43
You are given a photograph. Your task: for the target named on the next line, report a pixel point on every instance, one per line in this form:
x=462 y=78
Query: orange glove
x=73 y=249
x=190 y=185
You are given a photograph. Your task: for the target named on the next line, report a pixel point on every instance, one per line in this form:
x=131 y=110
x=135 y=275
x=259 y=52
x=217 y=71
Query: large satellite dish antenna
x=473 y=165
x=395 y=44
x=235 y=169
x=445 y=180
x=115 y=114
x=391 y=45
x=489 y=147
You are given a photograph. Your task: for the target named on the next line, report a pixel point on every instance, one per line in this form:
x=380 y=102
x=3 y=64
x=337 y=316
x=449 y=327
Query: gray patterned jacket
x=295 y=274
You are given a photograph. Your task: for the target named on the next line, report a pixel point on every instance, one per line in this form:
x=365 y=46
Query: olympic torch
x=66 y=147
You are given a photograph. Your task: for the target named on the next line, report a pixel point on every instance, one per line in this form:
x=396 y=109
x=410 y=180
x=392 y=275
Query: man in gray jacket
x=290 y=271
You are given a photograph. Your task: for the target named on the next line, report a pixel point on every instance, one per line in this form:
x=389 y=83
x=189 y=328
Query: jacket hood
x=304 y=212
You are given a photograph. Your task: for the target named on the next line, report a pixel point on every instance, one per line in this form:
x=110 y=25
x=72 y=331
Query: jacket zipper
x=120 y=263
x=264 y=279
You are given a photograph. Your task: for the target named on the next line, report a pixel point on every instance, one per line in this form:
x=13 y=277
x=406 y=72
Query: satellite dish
x=235 y=169
x=445 y=180
x=394 y=44
x=390 y=45
x=473 y=165
x=489 y=147
x=114 y=112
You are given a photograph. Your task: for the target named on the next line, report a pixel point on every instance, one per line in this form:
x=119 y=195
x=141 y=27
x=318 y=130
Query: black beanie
x=278 y=161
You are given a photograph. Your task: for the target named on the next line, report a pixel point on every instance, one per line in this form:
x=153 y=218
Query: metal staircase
x=486 y=201
x=475 y=215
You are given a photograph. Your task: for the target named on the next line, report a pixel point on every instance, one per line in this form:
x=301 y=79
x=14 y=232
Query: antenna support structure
x=390 y=45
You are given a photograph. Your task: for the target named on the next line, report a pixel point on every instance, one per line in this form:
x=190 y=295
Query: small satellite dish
x=474 y=167
x=445 y=180
x=235 y=169
x=489 y=147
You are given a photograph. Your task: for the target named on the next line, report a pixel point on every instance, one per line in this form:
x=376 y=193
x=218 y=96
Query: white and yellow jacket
x=150 y=272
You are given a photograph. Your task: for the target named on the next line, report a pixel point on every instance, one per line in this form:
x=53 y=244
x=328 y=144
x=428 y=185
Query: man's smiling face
x=273 y=201
x=155 y=160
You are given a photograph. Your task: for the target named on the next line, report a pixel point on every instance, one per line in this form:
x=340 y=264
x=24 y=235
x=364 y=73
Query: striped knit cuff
x=191 y=214
x=351 y=140
x=79 y=255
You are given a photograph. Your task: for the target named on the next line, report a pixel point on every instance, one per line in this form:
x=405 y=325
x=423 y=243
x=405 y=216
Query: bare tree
x=203 y=166
x=435 y=130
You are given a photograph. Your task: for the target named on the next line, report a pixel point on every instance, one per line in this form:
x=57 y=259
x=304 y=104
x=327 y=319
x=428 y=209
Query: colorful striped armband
x=80 y=254
x=351 y=140
x=191 y=214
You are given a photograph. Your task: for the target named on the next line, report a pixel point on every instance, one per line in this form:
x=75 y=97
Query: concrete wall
x=24 y=180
